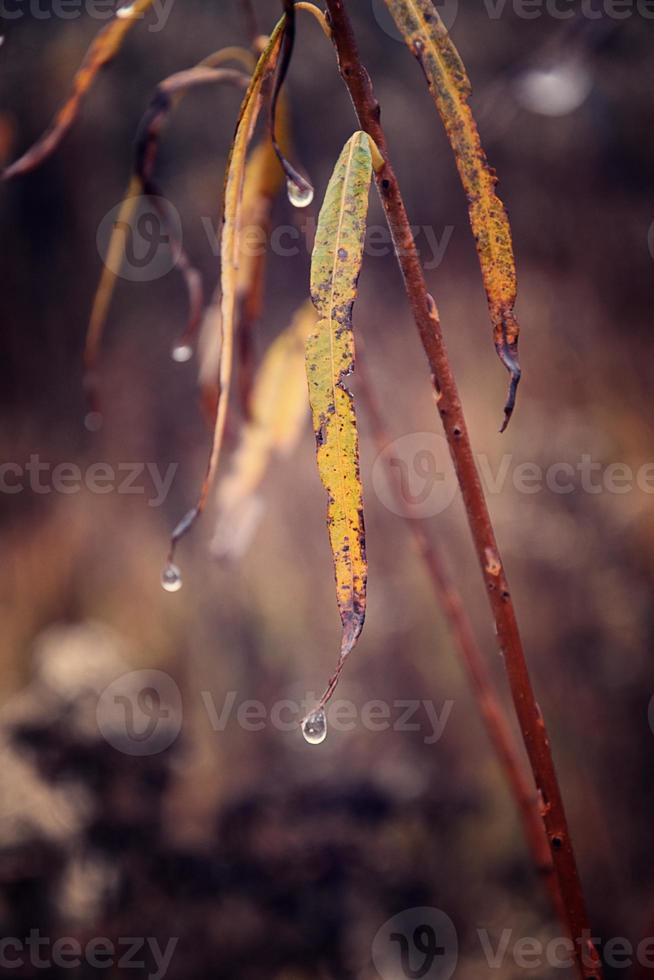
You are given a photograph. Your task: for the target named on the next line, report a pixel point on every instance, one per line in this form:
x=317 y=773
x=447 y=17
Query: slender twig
x=490 y=708
x=424 y=310
x=102 y=50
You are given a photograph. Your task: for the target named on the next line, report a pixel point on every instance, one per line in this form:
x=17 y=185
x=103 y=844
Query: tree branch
x=425 y=314
x=491 y=710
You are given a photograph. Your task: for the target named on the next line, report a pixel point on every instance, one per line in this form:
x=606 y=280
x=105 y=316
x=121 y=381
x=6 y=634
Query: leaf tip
x=508 y=354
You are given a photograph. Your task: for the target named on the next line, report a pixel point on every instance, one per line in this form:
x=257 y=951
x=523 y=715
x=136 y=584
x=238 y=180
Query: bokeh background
x=263 y=855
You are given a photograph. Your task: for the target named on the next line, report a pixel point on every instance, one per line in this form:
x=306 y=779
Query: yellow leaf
x=229 y=255
x=263 y=179
x=105 y=47
x=279 y=407
x=428 y=39
x=335 y=267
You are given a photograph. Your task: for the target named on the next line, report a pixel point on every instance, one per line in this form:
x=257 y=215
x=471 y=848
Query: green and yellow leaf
x=428 y=39
x=279 y=408
x=106 y=46
x=335 y=267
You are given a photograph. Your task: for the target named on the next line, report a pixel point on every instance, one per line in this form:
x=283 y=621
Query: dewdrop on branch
x=300 y=192
x=314 y=727
x=181 y=353
x=125 y=11
x=171 y=578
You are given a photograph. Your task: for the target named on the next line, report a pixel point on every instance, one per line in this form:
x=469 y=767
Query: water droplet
x=93 y=421
x=125 y=11
x=171 y=578
x=314 y=727
x=300 y=193
x=181 y=353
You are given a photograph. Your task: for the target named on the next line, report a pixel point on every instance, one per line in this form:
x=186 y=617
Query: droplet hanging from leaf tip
x=182 y=352
x=314 y=727
x=171 y=578
x=300 y=192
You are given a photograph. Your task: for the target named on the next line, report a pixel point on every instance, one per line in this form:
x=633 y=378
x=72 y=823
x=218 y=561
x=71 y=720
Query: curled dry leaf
x=335 y=268
x=106 y=46
x=279 y=407
x=428 y=39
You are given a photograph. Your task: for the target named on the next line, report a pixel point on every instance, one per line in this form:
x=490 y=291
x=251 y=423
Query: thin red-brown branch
x=424 y=311
x=491 y=710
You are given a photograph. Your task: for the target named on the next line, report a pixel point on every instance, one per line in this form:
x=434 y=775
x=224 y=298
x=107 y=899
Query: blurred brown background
x=264 y=856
